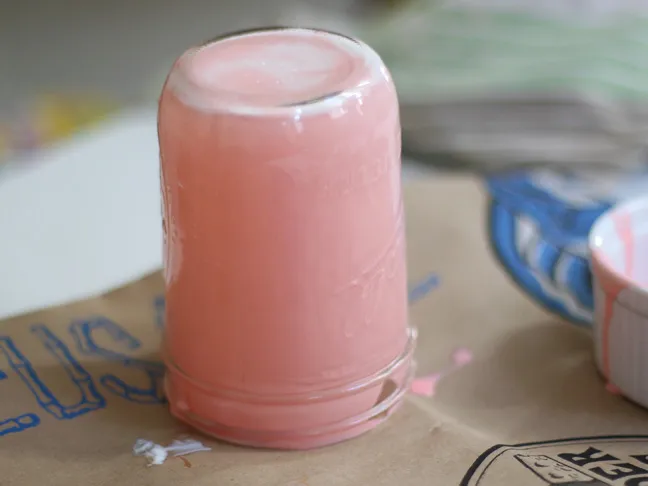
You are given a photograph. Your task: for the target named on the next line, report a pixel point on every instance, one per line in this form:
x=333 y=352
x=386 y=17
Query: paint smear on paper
x=157 y=454
x=299 y=482
x=613 y=389
x=186 y=462
x=426 y=385
x=423 y=288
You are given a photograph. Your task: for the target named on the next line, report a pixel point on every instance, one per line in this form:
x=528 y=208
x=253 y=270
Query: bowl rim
x=598 y=262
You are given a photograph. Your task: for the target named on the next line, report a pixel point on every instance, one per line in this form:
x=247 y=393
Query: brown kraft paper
x=80 y=383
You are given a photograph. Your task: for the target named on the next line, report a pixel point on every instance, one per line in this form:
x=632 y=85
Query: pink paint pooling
x=275 y=69
x=284 y=239
x=426 y=385
x=270 y=69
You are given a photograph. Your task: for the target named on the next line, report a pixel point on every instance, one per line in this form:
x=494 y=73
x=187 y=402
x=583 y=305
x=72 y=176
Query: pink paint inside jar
x=286 y=295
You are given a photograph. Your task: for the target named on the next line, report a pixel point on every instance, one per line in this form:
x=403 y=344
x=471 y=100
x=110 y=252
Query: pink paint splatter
x=612 y=388
x=426 y=385
x=462 y=357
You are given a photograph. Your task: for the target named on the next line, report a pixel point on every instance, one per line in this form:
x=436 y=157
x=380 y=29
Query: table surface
x=84 y=216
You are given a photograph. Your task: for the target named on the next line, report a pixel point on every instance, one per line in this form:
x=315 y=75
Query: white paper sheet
x=83 y=217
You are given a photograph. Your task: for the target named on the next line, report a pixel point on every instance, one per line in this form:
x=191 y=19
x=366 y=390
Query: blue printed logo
x=90 y=394
x=84 y=336
x=538 y=223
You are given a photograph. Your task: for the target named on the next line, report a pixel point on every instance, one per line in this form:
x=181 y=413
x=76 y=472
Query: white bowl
x=619 y=248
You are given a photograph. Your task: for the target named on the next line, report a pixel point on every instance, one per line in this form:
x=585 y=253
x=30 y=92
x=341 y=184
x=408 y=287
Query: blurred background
x=482 y=83
x=548 y=99
x=68 y=62
x=119 y=48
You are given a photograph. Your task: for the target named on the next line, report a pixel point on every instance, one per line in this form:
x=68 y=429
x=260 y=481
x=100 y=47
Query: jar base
x=282 y=441
x=292 y=422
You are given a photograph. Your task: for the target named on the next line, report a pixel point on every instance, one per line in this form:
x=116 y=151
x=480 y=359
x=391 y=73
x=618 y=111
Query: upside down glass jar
x=287 y=321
